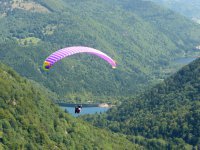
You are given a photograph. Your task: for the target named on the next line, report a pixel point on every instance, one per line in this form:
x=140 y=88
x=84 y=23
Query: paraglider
x=65 y=52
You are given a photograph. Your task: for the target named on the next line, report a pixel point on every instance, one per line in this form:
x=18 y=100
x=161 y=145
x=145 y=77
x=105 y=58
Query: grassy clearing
x=49 y=29
x=2 y=15
x=30 y=6
x=28 y=41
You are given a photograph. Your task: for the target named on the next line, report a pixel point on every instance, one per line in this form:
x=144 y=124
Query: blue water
x=184 y=60
x=86 y=110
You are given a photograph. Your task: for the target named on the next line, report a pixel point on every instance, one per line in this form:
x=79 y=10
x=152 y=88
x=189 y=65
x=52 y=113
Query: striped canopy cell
x=65 y=52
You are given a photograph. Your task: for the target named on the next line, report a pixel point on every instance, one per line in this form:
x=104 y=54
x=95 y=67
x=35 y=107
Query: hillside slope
x=29 y=120
x=169 y=112
x=143 y=43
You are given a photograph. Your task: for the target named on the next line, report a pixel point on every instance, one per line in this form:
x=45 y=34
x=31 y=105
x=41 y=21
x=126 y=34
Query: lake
x=185 y=60
x=85 y=110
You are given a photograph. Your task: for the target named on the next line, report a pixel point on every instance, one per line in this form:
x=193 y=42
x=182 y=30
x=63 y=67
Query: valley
x=150 y=76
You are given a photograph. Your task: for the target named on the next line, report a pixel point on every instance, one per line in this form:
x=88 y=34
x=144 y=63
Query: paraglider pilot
x=78 y=109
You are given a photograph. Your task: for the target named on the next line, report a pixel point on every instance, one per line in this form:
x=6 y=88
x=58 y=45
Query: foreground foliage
x=29 y=120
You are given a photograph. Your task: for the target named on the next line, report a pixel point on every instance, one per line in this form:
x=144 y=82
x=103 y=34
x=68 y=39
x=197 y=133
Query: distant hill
x=168 y=113
x=187 y=8
x=29 y=120
x=142 y=37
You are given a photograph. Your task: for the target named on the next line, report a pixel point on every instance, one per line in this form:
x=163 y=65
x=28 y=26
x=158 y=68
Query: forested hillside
x=29 y=120
x=142 y=37
x=168 y=114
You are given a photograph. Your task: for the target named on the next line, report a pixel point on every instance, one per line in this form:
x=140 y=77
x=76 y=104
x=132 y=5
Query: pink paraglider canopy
x=65 y=52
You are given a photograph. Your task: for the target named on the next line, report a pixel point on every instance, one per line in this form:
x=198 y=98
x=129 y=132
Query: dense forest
x=168 y=114
x=29 y=120
x=144 y=44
